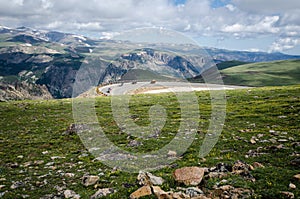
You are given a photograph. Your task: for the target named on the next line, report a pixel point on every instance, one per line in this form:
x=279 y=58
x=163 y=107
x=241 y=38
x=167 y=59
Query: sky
x=252 y=25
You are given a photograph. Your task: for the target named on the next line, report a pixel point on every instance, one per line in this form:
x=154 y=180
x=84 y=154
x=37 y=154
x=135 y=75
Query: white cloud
x=230 y=7
x=266 y=25
x=239 y=18
x=254 y=50
x=284 y=44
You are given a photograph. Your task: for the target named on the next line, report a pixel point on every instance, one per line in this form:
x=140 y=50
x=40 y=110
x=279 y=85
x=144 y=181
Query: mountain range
x=37 y=64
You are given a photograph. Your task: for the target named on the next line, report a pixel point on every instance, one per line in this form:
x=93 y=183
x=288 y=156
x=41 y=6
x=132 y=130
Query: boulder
x=146 y=178
x=189 y=175
x=143 y=191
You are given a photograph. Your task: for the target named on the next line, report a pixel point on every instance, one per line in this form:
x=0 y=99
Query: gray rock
x=146 y=178
x=89 y=180
x=172 y=154
x=287 y=194
x=2 y=194
x=69 y=175
x=134 y=143
x=71 y=194
x=193 y=192
x=103 y=192
x=17 y=184
x=282 y=140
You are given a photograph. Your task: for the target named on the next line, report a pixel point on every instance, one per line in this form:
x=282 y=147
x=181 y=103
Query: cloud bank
x=231 y=18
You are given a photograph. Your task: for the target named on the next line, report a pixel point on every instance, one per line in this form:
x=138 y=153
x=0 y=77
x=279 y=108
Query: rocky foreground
x=190 y=181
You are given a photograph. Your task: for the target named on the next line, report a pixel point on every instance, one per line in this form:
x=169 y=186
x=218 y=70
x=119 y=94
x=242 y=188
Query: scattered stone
x=158 y=192
x=243 y=169
x=57 y=157
x=189 y=175
x=258 y=165
x=282 y=116
x=217 y=175
x=287 y=194
x=252 y=141
x=27 y=164
x=38 y=162
x=71 y=194
x=20 y=156
x=51 y=196
x=12 y=165
x=103 y=192
x=282 y=140
x=143 y=191
x=226 y=187
x=45 y=152
x=171 y=195
x=297 y=176
x=193 y=192
x=228 y=191
x=221 y=167
x=201 y=197
x=89 y=180
x=58 y=188
x=260 y=135
x=2 y=186
x=172 y=154
x=72 y=129
x=134 y=143
x=295 y=144
x=69 y=175
x=2 y=194
x=273 y=140
x=240 y=166
x=146 y=178
x=292 y=186
x=17 y=184
x=49 y=164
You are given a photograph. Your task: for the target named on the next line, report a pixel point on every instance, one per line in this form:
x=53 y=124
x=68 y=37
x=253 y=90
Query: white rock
x=69 y=175
x=71 y=194
x=89 y=180
x=292 y=186
x=146 y=178
x=102 y=192
x=172 y=154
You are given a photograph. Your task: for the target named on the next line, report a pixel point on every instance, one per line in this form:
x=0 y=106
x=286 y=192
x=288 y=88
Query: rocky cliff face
x=23 y=90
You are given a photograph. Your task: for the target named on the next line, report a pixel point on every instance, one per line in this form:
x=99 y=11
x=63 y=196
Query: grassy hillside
x=229 y=64
x=264 y=74
x=144 y=75
x=38 y=154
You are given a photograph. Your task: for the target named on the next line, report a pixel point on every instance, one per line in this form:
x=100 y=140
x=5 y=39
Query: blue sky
x=253 y=25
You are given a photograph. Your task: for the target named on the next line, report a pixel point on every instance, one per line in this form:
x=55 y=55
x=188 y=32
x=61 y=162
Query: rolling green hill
x=277 y=73
x=144 y=75
x=229 y=64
